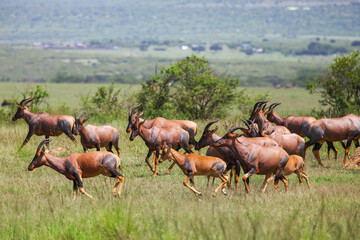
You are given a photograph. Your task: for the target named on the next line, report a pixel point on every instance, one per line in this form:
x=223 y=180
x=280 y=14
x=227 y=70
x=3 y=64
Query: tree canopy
x=188 y=89
x=340 y=86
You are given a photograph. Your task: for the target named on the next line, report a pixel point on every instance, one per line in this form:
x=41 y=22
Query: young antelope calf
x=96 y=136
x=77 y=166
x=294 y=165
x=193 y=165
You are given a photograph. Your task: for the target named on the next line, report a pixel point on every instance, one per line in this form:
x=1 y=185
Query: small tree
x=188 y=89
x=340 y=86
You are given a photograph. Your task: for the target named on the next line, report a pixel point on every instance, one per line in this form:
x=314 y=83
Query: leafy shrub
x=107 y=103
x=340 y=86
x=189 y=89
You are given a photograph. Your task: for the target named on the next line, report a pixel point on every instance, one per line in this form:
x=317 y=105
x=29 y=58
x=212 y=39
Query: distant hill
x=204 y=20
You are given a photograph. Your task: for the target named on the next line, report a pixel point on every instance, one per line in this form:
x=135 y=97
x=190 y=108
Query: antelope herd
x=269 y=145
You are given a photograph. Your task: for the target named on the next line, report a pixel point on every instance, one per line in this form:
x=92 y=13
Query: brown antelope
x=258 y=117
x=332 y=130
x=298 y=125
x=155 y=137
x=96 y=136
x=196 y=165
x=44 y=123
x=189 y=126
x=294 y=165
x=77 y=166
x=256 y=159
x=291 y=143
x=208 y=138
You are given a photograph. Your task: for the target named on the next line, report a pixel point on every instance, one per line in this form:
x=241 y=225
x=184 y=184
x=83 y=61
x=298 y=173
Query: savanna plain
x=39 y=204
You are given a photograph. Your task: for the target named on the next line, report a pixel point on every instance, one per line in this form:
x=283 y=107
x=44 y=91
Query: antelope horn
x=255 y=105
x=209 y=124
x=82 y=114
x=25 y=101
x=271 y=106
x=276 y=104
x=263 y=102
x=131 y=111
x=233 y=129
x=246 y=123
x=47 y=140
x=138 y=117
x=75 y=115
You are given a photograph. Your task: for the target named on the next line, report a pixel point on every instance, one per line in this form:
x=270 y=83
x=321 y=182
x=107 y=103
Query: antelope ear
x=86 y=119
x=215 y=129
x=43 y=149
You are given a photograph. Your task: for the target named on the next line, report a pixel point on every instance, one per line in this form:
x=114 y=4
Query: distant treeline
x=64 y=77
x=316 y=48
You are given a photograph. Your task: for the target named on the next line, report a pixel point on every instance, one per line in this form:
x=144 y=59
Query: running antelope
x=96 y=136
x=256 y=159
x=196 y=165
x=77 y=166
x=154 y=138
x=44 y=123
x=189 y=126
x=299 y=125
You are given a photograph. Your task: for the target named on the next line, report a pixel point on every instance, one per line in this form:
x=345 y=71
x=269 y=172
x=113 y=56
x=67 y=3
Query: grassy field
x=39 y=205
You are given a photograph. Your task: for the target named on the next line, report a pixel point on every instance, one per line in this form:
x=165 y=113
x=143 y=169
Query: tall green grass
x=39 y=205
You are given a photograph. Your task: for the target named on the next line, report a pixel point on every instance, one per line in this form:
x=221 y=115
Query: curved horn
x=256 y=104
x=131 y=111
x=271 y=106
x=246 y=123
x=75 y=115
x=209 y=124
x=138 y=117
x=47 y=140
x=263 y=108
x=82 y=114
x=233 y=129
x=276 y=104
x=25 y=101
x=260 y=105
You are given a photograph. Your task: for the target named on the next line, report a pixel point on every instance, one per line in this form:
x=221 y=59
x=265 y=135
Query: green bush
x=340 y=86
x=106 y=104
x=189 y=89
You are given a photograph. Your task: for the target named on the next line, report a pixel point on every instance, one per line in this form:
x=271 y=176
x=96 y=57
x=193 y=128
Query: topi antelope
x=77 y=166
x=189 y=126
x=256 y=159
x=96 y=136
x=44 y=123
x=196 y=165
x=155 y=137
x=294 y=165
x=299 y=125
x=258 y=117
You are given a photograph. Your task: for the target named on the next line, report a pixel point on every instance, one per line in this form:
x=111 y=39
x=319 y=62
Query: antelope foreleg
x=171 y=167
x=197 y=193
x=85 y=193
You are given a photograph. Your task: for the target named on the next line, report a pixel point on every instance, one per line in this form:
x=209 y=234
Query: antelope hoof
x=154 y=175
x=223 y=191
